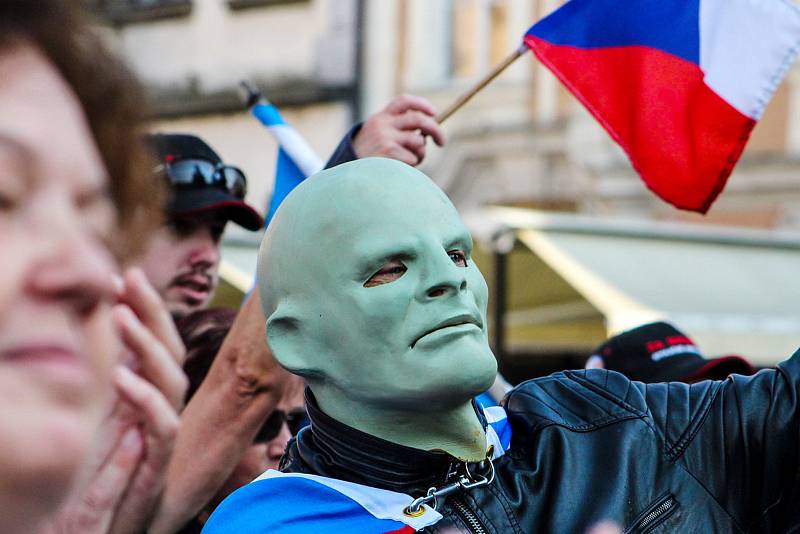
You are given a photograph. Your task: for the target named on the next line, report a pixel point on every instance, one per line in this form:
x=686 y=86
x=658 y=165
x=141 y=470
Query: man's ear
x=286 y=342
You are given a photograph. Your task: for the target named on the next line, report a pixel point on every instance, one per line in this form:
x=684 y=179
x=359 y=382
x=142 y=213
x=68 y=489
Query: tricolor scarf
x=293 y=503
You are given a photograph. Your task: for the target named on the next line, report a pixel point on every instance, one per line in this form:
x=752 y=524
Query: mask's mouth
x=458 y=320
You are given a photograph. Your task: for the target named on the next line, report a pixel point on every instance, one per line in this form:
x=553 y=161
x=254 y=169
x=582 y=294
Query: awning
x=733 y=290
x=573 y=280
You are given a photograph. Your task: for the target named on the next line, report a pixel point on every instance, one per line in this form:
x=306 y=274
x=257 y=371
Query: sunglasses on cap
x=295 y=420
x=196 y=173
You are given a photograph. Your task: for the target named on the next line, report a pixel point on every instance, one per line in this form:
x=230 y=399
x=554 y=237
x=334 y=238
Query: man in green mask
x=391 y=280
x=371 y=295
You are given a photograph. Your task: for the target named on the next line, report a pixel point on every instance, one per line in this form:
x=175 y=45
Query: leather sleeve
x=738 y=438
x=344 y=151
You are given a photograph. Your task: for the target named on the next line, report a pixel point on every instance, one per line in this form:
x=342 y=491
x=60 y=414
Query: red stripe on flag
x=681 y=137
x=405 y=530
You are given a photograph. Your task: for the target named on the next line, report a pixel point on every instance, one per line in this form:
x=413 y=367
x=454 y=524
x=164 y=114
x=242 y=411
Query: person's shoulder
x=579 y=400
x=274 y=504
x=294 y=503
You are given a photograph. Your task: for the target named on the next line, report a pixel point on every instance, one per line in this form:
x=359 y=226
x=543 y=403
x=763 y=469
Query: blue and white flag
x=298 y=503
x=295 y=503
x=296 y=160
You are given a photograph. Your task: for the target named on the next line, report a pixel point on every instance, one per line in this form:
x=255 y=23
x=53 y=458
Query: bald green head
x=370 y=291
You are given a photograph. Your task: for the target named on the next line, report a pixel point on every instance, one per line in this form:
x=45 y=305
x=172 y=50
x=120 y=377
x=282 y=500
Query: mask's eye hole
x=458 y=257
x=389 y=272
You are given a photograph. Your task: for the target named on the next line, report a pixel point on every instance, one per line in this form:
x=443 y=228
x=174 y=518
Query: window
x=244 y=4
x=127 y=11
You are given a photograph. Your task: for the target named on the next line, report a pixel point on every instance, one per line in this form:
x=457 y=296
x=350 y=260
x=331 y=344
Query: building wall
x=301 y=54
x=213 y=47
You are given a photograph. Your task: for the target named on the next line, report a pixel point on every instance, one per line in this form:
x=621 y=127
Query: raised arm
x=398 y=131
x=242 y=388
x=739 y=438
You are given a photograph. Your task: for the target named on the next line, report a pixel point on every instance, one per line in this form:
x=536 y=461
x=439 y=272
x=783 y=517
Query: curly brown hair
x=203 y=332
x=110 y=97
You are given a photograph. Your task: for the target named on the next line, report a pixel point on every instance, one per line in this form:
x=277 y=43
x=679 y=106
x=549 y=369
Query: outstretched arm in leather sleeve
x=740 y=439
x=242 y=388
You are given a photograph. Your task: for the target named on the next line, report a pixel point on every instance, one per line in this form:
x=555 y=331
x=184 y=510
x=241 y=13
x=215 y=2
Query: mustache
x=195 y=277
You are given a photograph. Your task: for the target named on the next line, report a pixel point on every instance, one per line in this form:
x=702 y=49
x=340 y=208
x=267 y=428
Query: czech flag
x=296 y=160
x=679 y=84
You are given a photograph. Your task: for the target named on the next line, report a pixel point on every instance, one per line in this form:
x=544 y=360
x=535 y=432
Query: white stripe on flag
x=746 y=48
x=494 y=414
x=296 y=148
x=382 y=504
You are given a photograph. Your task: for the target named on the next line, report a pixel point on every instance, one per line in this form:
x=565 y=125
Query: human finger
x=112 y=429
x=145 y=301
x=155 y=412
x=92 y=511
x=400 y=153
x=413 y=142
x=432 y=129
x=108 y=485
x=403 y=103
x=159 y=426
x=155 y=361
x=119 y=285
x=414 y=120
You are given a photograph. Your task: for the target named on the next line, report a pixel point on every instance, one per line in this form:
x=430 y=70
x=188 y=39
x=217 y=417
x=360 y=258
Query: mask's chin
x=466 y=364
x=434 y=381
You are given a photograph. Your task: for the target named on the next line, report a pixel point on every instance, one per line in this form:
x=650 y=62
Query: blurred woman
x=72 y=188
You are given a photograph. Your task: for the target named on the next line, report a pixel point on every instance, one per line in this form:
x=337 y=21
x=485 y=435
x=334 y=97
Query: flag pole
x=494 y=73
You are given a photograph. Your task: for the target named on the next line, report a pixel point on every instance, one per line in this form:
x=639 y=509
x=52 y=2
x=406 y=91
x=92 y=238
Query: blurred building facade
x=522 y=142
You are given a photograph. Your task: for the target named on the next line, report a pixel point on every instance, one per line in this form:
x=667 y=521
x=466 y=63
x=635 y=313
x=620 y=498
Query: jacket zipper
x=656 y=513
x=468 y=516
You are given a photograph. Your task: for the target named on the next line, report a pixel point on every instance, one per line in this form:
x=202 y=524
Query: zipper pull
x=467 y=481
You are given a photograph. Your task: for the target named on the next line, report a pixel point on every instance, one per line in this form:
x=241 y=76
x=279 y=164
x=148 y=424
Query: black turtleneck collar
x=332 y=449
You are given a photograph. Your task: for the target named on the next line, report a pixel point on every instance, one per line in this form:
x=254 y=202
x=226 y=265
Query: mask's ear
x=286 y=342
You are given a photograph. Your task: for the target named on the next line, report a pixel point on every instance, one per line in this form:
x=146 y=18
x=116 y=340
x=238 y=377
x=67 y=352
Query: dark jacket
x=592 y=445
x=344 y=151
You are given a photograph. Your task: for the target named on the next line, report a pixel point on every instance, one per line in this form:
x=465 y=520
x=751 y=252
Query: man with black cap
x=182 y=259
x=659 y=352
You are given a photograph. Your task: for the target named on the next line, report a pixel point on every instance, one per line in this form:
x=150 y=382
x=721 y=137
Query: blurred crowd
x=129 y=404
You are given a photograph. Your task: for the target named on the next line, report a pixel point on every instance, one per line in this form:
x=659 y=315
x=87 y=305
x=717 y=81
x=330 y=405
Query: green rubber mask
x=371 y=294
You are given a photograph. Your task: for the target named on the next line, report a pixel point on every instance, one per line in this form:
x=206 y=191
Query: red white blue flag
x=679 y=84
x=298 y=503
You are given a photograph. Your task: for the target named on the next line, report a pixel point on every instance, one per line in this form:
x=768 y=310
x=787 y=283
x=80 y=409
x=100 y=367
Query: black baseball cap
x=659 y=352
x=199 y=196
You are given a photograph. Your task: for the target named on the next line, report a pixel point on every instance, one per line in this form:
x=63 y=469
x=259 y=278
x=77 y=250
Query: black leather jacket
x=592 y=445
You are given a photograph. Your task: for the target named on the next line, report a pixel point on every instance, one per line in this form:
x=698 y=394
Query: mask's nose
x=442 y=277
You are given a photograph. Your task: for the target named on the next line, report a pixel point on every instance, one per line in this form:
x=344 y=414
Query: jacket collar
x=332 y=449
